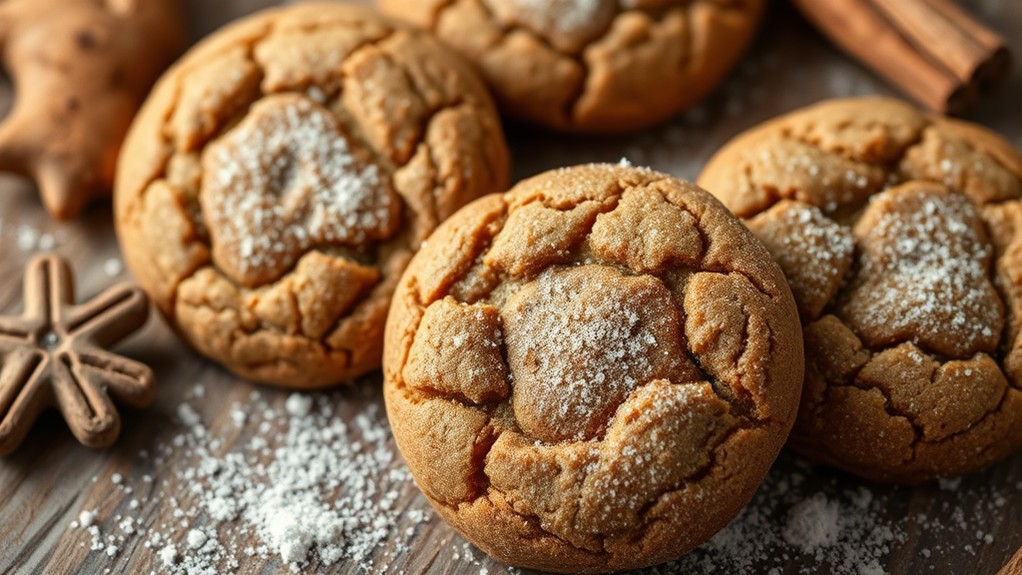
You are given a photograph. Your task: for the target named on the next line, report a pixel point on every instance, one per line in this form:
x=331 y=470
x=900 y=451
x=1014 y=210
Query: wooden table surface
x=972 y=526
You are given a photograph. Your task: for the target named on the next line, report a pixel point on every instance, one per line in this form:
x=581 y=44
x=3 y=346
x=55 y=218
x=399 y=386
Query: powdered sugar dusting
x=308 y=488
x=283 y=181
x=923 y=273
x=580 y=340
x=561 y=16
x=768 y=537
x=807 y=520
x=814 y=252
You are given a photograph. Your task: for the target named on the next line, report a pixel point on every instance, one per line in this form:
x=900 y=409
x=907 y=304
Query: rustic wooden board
x=971 y=527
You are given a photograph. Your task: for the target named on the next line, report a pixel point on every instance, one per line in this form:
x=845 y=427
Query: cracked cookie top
x=592 y=65
x=593 y=371
x=280 y=176
x=897 y=233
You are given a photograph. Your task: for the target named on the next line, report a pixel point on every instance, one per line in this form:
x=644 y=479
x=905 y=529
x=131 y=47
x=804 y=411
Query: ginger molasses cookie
x=593 y=371
x=592 y=65
x=280 y=176
x=901 y=236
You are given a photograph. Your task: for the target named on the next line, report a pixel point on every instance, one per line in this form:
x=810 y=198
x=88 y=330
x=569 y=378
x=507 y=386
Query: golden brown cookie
x=81 y=69
x=592 y=65
x=901 y=236
x=281 y=175
x=593 y=371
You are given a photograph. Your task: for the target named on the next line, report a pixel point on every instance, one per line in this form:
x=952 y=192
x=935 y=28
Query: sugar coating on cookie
x=292 y=149
x=899 y=235
x=592 y=65
x=593 y=371
x=280 y=176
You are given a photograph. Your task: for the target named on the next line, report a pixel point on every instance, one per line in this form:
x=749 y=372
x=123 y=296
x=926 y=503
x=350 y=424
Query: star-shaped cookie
x=54 y=355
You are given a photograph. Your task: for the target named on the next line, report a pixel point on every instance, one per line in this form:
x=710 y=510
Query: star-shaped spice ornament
x=54 y=355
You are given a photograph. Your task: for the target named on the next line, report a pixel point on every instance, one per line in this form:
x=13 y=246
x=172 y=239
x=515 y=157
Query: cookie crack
x=240 y=332
x=849 y=382
x=702 y=473
x=889 y=406
x=645 y=511
x=753 y=280
x=890 y=168
x=541 y=198
x=986 y=415
x=570 y=105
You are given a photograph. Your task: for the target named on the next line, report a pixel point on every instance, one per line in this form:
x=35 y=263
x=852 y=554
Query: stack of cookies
x=595 y=369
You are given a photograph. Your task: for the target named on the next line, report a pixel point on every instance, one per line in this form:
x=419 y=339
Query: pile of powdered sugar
x=308 y=487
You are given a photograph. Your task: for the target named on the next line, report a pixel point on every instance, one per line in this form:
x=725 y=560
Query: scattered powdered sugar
x=307 y=488
x=285 y=180
x=187 y=414
x=807 y=519
x=113 y=267
x=252 y=500
x=949 y=483
x=168 y=556
x=29 y=239
x=196 y=539
x=298 y=404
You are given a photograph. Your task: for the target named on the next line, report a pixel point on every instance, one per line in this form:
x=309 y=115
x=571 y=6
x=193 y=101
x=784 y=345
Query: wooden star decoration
x=54 y=355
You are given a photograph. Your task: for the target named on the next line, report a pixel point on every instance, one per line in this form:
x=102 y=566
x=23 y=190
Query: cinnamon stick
x=931 y=49
x=1014 y=565
x=997 y=66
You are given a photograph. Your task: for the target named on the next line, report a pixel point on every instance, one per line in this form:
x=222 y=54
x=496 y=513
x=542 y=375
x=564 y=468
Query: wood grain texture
x=973 y=528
